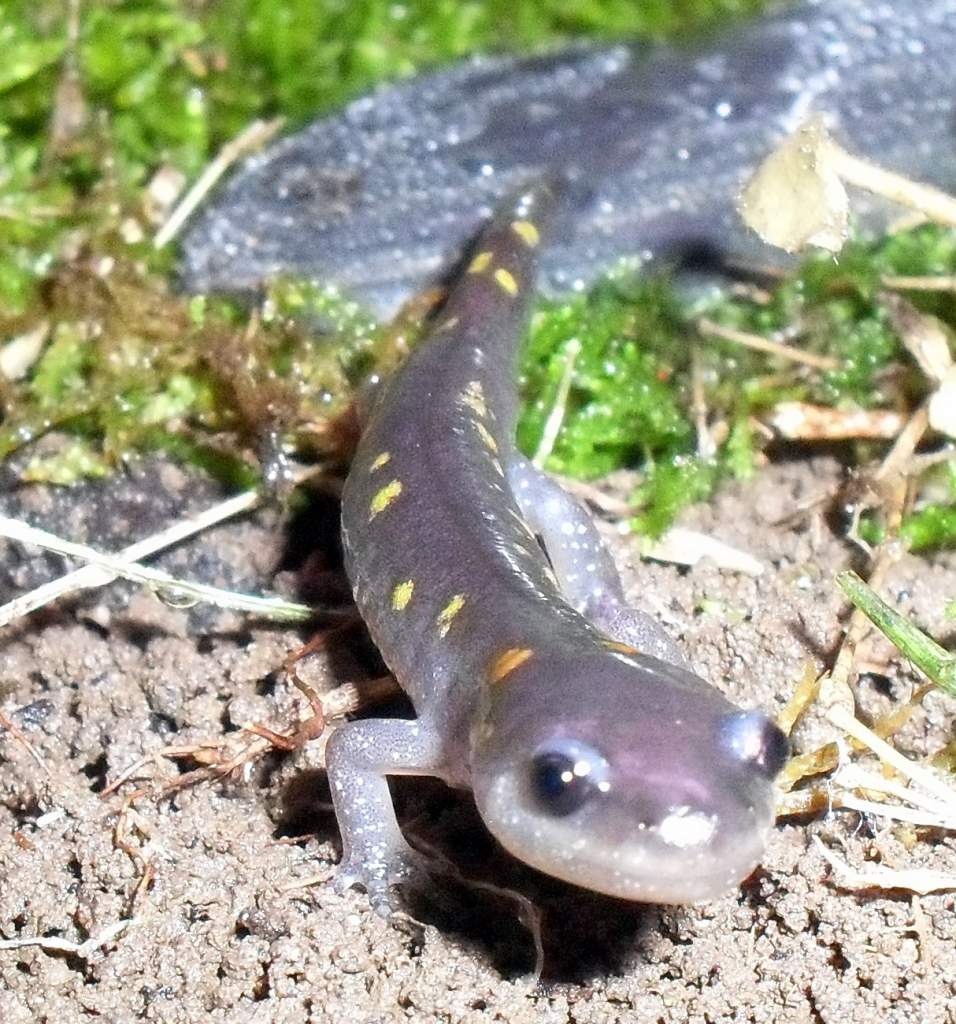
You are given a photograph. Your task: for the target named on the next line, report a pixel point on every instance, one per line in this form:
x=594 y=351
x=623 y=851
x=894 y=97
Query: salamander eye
x=565 y=775
x=754 y=738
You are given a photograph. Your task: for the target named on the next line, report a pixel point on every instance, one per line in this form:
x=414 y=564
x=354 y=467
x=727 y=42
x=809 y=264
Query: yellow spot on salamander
x=474 y=397
x=486 y=439
x=379 y=461
x=613 y=645
x=383 y=498
x=498 y=468
x=527 y=232
x=507 y=661
x=481 y=263
x=448 y=325
x=447 y=615
x=402 y=594
x=506 y=281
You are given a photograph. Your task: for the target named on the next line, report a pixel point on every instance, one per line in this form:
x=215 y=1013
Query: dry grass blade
x=176 y=589
x=710 y=329
x=84 y=950
x=17 y=733
x=940 y=283
x=96 y=576
x=552 y=426
x=255 y=135
x=876 y=876
x=932 y=203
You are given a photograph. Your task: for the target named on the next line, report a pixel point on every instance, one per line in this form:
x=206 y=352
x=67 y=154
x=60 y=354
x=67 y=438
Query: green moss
x=33 y=219
x=930 y=527
x=670 y=486
x=141 y=61
x=621 y=408
x=739 y=452
x=74 y=461
x=871 y=530
x=24 y=55
x=302 y=56
x=835 y=307
x=62 y=368
x=129 y=366
x=153 y=83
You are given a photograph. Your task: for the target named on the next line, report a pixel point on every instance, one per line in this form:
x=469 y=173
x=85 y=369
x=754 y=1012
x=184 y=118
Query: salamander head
x=625 y=776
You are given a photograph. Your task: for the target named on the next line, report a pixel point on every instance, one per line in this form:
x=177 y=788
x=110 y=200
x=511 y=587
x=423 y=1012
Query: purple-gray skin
x=594 y=753
x=652 y=144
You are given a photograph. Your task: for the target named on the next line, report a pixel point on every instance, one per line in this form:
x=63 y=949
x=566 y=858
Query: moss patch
x=90 y=115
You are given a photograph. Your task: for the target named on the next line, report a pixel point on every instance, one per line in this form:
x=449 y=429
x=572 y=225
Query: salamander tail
x=496 y=279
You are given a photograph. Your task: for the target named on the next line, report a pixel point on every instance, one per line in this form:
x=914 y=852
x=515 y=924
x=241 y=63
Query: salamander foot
x=381 y=876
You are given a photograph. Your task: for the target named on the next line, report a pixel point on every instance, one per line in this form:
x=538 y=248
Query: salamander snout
x=627 y=776
x=755 y=739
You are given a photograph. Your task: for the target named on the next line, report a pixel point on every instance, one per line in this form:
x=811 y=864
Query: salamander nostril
x=755 y=739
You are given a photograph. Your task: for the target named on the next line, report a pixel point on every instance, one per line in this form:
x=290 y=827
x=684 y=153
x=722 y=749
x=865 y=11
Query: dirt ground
x=238 y=923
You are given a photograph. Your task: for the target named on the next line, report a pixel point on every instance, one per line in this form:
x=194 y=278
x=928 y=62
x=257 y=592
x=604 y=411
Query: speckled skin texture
x=590 y=756
x=652 y=143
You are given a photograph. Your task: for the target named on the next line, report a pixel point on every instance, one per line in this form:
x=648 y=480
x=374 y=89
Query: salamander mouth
x=659 y=874
x=688 y=855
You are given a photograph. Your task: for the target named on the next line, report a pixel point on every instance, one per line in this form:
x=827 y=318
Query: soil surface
x=235 y=920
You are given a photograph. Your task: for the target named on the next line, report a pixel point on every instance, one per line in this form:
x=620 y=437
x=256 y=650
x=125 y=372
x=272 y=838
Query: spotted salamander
x=652 y=145
x=593 y=750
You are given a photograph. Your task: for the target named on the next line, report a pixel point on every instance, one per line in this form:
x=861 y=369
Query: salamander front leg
x=583 y=565
x=359 y=755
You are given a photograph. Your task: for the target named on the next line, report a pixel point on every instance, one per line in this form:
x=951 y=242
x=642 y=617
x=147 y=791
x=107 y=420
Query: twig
x=895 y=461
x=802 y=421
x=706 y=443
x=219 y=759
x=853 y=776
x=920 y=880
x=52 y=944
x=928 y=283
x=931 y=202
x=710 y=329
x=96 y=576
x=552 y=425
x=122 y=841
x=253 y=136
x=895 y=812
x=17 y=733
x=307 y=883
x=273 y=608
x=608 y=504
x=918 y=464
x=932 y=659
x=348 y=698
x=890 y=755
